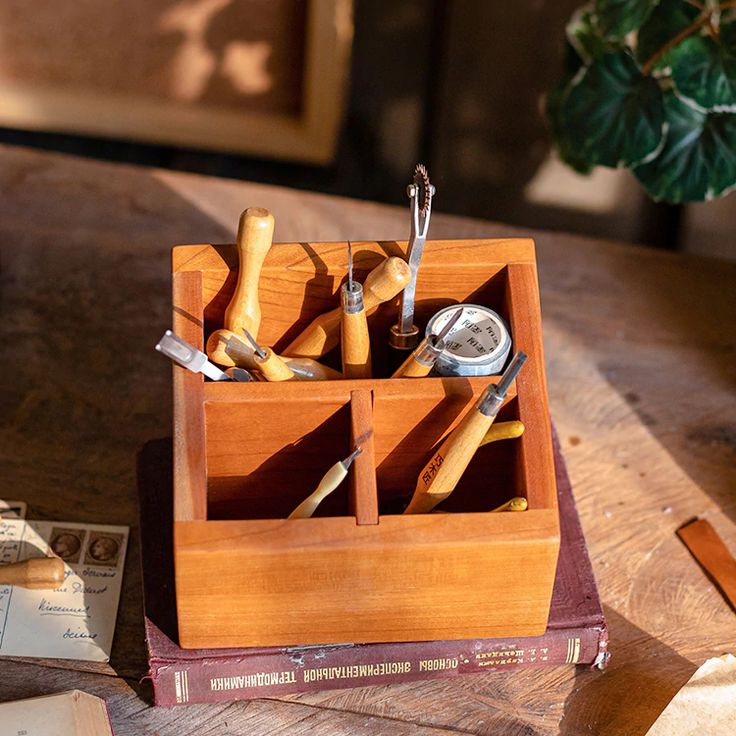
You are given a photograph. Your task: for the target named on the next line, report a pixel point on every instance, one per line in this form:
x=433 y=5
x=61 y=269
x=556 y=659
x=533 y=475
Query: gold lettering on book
x=257 y=679
x=353 y=671
x=433 y=665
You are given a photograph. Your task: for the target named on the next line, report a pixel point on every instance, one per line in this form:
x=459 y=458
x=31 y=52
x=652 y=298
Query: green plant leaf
x=616 y=18
x=666 y=21
x=584 y=36
x=611 y=114
x=704 y=69
x=566 y=147
x=698 y=160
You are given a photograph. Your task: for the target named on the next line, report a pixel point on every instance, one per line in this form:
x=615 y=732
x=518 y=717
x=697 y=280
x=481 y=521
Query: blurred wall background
x=456 y=84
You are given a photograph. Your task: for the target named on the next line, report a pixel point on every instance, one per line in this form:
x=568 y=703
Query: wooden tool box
x=247 y=453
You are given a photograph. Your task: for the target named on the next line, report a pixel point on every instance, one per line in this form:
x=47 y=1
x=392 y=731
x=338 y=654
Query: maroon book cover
x=576 y=631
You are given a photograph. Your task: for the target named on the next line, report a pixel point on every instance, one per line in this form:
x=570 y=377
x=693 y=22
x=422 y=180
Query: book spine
x=305 y=669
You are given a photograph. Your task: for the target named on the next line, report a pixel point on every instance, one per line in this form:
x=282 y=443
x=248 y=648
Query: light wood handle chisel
x=37 y=574
x=355 y=342
x=330 y=481
x=382 y=284
x=422 y=360
x=228 y=349
x=441 y=474
x=255 y=237
x=270 y=364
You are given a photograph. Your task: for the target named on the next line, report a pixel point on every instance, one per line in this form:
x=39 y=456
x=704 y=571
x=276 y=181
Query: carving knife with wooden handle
x=441 y=474
x=228 y=349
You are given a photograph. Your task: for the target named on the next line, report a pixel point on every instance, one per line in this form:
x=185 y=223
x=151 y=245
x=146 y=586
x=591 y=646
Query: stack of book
x=576 y=631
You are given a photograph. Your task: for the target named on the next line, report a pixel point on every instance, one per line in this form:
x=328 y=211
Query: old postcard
x=76 y=620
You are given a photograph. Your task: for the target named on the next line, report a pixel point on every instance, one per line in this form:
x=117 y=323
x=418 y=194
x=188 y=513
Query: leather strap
x=709 y=550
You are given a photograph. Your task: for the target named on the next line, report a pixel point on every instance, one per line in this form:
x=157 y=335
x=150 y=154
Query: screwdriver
x=443 y=472
x=382 y=284
x=269 y=364
x=330 y=481
x=228 y=349
x=354 y=337
x=255 y=237
x=422 y=360
x=36 y=573
x=181 y=352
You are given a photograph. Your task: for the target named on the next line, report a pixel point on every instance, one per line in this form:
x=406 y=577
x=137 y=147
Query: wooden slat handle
x=355 y=345
x=37 y=573
x=255 y=236
x=442 y=473
x=382 y=284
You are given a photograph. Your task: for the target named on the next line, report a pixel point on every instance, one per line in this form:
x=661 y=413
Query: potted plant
x=650 y=85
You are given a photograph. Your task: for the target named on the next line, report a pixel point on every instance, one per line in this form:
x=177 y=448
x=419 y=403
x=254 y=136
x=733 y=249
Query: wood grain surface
x=640 y=364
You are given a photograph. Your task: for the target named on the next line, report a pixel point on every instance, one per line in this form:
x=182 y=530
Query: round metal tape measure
x=478 y=344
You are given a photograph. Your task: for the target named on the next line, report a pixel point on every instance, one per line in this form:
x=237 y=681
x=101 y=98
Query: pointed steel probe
x=441 y=474
x=422 y=360
x=405 y=334
x=330 y=481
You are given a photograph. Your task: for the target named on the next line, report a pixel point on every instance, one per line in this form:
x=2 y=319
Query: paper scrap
x=706 y=704
x=13 y=509
x=76 y=620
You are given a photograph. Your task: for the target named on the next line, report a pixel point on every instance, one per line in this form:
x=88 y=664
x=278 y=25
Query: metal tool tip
x=347 y=462
x=260 y=352
x=509 y=375
x=350 y=266
x=445 y=331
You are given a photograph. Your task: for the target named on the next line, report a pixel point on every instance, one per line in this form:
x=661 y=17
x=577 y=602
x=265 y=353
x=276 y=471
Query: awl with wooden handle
x=228 y=349
x=355 y=341
x=255 y=236
x=270 y=364
x=330 y=481
x=37 y=573
x=443 y=472
x=382 y=284
x=422 y=360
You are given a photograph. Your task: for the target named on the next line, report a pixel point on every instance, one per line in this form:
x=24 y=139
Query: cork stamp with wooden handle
x=255 y=237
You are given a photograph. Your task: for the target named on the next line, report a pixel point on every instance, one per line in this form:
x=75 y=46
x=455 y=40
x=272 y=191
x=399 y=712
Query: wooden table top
x=641 y=363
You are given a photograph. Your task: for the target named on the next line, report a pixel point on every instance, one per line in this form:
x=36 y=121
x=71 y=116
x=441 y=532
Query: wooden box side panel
x=190 y=464
x=535 y=466
x=320 y=581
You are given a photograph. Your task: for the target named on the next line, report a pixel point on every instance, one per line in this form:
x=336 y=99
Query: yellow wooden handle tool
x=517 y=503
x=269 y=364
x=330 y=481
x=36 y=574
x=255 y=236
x=422 y=360
x=441 y=474
x=228 y=349
x=503 y=431
x=382 y=284
x=355 y=341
